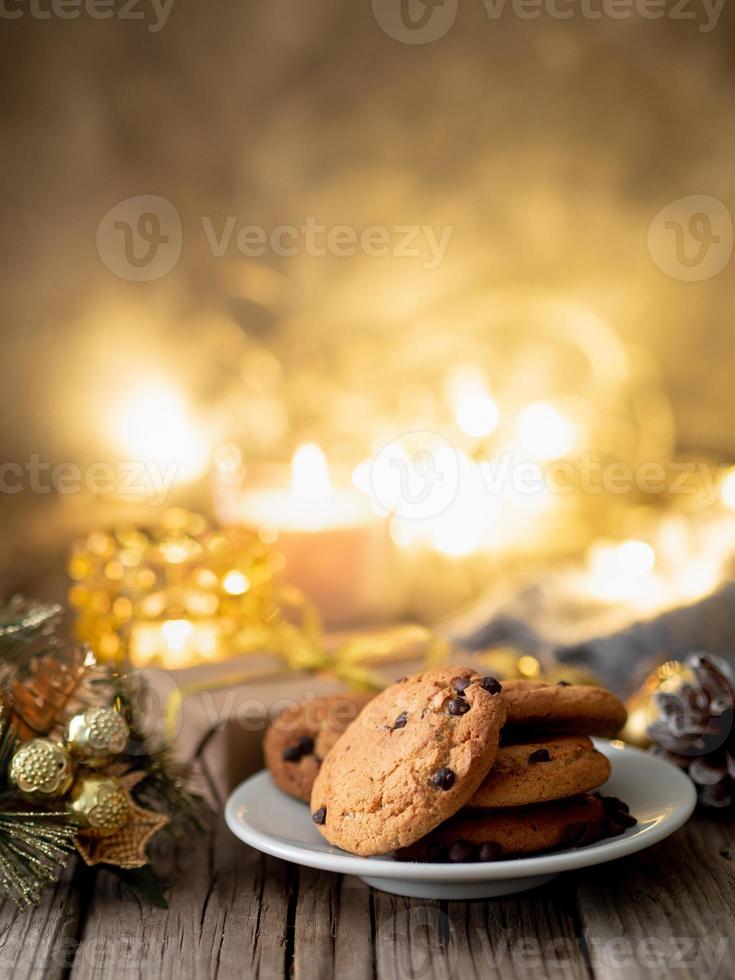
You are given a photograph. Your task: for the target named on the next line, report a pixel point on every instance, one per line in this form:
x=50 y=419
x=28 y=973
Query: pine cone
x=695 y=731
x=42 y=699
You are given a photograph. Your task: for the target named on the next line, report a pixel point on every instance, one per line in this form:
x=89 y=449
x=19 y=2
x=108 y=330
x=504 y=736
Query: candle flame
x=310 y=474
x=311 y=486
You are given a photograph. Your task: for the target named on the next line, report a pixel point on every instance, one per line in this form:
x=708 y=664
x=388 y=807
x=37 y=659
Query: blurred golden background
x=548 y=305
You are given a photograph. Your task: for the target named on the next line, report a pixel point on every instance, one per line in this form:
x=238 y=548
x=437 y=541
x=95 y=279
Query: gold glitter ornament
x=126 y=848
x=41 y=769
x=100 y=803
x=96 y=736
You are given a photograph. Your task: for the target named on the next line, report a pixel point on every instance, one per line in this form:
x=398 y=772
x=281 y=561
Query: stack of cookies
x=448 y=765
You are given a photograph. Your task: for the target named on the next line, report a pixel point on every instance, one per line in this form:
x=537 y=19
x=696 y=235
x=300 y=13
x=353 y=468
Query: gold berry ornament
x=100 y=803
x=41 y=769
x=97 y=735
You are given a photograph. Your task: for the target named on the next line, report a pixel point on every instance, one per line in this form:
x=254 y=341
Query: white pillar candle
x=336 y=549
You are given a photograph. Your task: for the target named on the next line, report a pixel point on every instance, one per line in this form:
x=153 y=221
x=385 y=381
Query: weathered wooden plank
x=236 y=913
x=248 y=914
x=531 y=935
x=42 y=941
x=228 y=916
x=354 y=952
x=332 y=937
x=413 y=938
x=668 y=911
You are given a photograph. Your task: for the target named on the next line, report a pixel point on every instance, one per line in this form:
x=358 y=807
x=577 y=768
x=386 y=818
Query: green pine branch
x=19 y=615
x=34 y=849
x=27 y=630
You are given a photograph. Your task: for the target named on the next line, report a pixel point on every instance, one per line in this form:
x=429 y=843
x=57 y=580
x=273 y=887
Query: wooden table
x=234 y=913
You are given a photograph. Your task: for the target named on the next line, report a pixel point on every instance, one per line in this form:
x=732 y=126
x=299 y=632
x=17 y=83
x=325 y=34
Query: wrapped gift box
x=221 y=710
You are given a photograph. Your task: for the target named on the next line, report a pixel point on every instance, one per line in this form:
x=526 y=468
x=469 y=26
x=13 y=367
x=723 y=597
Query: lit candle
x=336 y=549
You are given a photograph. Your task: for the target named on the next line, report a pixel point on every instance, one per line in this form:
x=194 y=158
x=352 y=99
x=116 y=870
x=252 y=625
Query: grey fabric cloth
x=622 y=660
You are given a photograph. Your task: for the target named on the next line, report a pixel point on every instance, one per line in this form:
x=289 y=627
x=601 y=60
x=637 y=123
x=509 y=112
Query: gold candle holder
x=177 y=594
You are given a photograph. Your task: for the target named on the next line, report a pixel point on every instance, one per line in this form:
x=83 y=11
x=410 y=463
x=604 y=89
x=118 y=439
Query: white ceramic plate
x=659 y=795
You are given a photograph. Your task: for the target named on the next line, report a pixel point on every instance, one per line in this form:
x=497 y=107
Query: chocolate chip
x=402 y=679
x=458 y=706
x=460 y=684
x=489 y=851
x=306 y=744
x=462 y=851
x=292 y=753
x=319 y=816
x=625 y=820
x=564 y=684
x=617 y=814
x=595 y=832
x=400 y=721
x=613 y=828
x=443 y=778
x=436 y=854
x=575 y=835
x=540 y=755
x=491 y=684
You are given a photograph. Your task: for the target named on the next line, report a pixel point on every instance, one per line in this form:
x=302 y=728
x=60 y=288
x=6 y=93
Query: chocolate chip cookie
x=506 y=834
x=573 y=709
x=300 y=737
x=412 y=758
x=537 y=772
